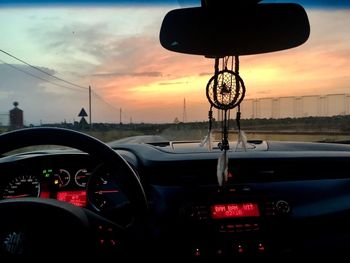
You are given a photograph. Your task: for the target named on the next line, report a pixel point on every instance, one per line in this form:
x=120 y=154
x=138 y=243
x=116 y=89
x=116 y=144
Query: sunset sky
x=116 y=50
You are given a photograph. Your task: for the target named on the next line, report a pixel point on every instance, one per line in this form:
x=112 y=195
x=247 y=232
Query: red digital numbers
x=234 y=210
x=77 y=198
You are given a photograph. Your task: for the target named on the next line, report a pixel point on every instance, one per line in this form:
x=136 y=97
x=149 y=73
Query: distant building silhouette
x=16 y=117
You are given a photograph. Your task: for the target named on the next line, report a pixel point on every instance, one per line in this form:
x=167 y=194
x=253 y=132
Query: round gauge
x=63 y=177
x=104 y=192
x=81 y=177
x=22 y=186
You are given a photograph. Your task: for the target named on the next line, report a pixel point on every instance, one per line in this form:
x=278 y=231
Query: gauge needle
x=104 y=181
x=15 y=196
x=59 y=177
x=106 y=191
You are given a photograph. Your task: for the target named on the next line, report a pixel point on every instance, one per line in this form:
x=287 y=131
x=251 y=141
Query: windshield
x=100 y=68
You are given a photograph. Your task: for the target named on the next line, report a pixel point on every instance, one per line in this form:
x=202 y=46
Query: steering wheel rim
x=58 y=136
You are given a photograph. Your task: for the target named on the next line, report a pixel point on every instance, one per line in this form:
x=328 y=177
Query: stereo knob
x=282 y=207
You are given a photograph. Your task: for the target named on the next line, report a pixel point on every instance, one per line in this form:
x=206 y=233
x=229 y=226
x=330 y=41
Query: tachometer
x=22 y=186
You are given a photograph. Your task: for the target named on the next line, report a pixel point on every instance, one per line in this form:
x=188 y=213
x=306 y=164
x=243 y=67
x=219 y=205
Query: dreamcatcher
x=225 y=91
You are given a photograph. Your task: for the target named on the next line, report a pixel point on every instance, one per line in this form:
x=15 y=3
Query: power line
x=106 y=102
x=57 y=78
x=62 y=86
x=35 y=76
x=42 y=71
x=117 y=110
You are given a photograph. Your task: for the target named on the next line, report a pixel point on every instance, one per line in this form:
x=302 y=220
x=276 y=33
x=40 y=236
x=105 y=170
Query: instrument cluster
x=75 y=179
x=61 y=184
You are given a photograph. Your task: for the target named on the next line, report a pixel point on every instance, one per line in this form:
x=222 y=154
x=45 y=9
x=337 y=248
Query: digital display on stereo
x=77 y=198
x=238 y=210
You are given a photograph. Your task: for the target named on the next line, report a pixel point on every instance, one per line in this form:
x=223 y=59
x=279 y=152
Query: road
x=139 y=139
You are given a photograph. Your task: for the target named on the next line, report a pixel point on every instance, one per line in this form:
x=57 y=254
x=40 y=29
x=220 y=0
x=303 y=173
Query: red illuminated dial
x=22 y=186
x=81 y=177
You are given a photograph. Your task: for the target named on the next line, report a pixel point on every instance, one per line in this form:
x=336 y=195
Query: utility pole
x=184 y=113
x=90 y=106
x=120 y=116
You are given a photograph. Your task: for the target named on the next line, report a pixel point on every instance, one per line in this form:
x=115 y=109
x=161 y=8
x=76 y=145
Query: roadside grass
x=112 y=135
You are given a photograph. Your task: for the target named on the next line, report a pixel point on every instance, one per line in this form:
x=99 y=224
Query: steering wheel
x=33 y=226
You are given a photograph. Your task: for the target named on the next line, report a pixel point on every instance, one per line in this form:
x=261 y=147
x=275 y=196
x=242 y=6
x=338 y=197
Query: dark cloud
x=38 y=99
x=142 y=55
x=138 y=52
x=16 y=76
x=95 y=48
x=69 y=40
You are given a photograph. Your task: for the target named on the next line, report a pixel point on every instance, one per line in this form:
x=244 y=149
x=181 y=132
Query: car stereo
x=234 y=210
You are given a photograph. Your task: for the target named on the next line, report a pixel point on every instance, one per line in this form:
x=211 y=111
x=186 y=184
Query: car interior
x=176 y=200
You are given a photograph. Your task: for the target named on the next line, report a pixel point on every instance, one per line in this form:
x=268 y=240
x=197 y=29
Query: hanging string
x=236 y=64
x=228 y=121
x=222 y=124
x=216 y=75
x=238 y=85
x=225 y=91
x=222 y=166
x=229 y=111
x=210 y=117
x=238 y=118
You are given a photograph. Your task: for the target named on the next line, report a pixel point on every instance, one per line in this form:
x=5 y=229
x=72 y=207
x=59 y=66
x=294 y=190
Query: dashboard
x=285 y=201
x=289 y=200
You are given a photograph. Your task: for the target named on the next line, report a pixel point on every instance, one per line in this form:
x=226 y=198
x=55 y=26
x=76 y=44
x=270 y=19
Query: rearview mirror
x=239 y=30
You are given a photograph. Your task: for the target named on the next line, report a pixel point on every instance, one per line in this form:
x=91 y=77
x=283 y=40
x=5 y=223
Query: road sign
x=82 y=113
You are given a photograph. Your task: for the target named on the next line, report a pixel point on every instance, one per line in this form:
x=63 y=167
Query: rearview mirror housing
x=236 y=30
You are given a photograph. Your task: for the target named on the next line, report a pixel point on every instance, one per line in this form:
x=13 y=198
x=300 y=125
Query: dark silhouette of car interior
x=162 y=201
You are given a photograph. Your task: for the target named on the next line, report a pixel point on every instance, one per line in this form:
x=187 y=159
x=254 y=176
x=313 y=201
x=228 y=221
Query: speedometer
x=22 y=186
x=81 y=177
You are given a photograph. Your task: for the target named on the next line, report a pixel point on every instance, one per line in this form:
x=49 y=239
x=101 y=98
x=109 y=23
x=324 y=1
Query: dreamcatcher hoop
x=225 y=90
